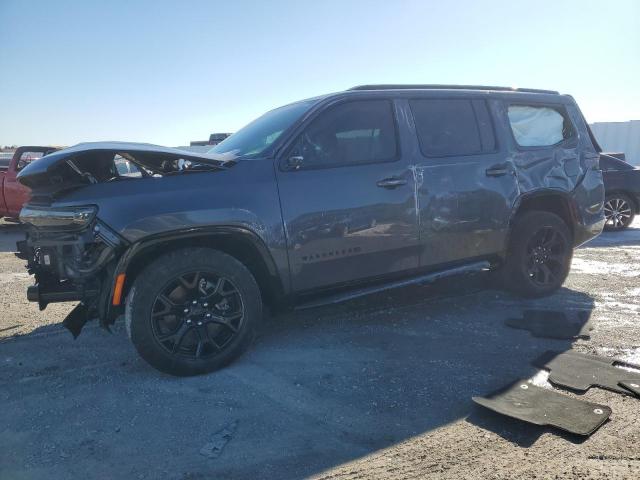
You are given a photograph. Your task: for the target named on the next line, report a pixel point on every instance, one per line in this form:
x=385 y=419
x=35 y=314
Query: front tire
x=539 y=255
x=192 y=311
x=618 y=212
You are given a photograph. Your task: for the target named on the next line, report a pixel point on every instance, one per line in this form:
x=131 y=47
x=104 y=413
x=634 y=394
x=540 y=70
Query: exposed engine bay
x=92 y=163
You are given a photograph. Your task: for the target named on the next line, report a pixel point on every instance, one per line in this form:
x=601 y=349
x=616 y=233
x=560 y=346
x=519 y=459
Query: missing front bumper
x=73 y=267
x=60 y=293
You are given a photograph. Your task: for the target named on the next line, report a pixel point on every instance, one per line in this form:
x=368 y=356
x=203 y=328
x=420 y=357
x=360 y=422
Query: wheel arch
x=239 y=242
x=553 y=201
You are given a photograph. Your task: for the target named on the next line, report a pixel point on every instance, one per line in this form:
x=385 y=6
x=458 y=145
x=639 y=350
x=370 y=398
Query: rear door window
x=539 y=126
x=451 y=127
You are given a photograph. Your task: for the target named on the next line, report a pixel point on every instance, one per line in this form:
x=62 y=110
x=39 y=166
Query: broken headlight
x=60 y=218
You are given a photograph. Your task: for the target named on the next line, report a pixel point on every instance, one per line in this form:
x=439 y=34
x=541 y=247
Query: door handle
x=391 y=183
x=497 y=171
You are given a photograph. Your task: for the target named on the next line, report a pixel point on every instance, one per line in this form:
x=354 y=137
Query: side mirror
x=295 y=162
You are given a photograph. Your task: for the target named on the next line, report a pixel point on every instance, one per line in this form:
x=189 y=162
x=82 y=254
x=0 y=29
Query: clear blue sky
x=173 y=71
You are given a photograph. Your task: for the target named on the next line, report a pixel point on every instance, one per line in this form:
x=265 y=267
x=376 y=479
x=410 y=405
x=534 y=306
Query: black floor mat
x=553 y=323
x=580 y=372
x=542 y=406
x=633 y=387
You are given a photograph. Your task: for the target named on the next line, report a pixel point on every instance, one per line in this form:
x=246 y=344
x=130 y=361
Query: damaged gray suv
x=315 y=202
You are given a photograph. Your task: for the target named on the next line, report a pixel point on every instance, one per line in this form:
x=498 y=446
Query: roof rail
x=449 y=87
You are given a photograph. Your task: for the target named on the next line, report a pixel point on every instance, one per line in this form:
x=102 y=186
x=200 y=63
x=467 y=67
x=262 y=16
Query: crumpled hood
x=146 y=154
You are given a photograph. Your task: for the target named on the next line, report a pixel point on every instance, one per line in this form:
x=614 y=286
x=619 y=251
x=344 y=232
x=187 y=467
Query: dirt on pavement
x=380 y=387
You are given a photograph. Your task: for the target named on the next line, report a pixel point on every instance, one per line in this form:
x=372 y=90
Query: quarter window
x=538 y=126
x=349 y=134
x=449 y=127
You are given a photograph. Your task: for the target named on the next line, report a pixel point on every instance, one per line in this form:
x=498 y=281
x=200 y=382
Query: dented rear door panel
x=558 y=167
x=569 y=168
x=464 y=210
x=467 y=203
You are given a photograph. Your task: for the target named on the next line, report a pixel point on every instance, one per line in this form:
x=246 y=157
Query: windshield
x=252 y=140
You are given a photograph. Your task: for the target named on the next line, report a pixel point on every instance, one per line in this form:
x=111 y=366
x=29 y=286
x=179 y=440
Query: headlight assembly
x=61 y=218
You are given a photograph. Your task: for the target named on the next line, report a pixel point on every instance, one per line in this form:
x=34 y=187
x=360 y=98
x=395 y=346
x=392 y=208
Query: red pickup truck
x=13 y=194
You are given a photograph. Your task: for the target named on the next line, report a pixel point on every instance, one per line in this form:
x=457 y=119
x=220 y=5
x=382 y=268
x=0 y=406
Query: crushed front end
x=72 y=248
x=72 y=256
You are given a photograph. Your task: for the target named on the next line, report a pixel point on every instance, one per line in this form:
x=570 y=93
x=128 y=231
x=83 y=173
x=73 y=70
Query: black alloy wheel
x=539 y=255
x=197 y=314
x=193 y=311
x=546 y=254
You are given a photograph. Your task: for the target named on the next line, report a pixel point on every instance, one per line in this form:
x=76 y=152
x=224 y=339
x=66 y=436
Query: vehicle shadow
x=319 y=388
x=444 y=343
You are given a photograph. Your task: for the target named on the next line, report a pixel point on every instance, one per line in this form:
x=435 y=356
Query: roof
x=450 y=87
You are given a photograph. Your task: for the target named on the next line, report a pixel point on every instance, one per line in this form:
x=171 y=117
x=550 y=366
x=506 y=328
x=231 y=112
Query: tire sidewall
x=524 y=229
x=151 y=281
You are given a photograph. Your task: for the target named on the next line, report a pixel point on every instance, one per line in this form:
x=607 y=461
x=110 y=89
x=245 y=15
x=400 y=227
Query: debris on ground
x=554 y=324
x=219 y=440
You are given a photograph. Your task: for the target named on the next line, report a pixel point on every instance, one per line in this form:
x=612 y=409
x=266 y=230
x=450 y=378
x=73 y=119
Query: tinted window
x=350 y=133
x=252 y=140
x=538 y=126
x=485 y=125
x=449 y=127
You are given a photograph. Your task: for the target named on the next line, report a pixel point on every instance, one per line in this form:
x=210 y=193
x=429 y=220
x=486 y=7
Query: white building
x=619 y=137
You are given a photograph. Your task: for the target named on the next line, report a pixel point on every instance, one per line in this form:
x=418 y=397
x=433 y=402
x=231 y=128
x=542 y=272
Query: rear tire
x=193 y=311
x=539 y=255
x=619 y=212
